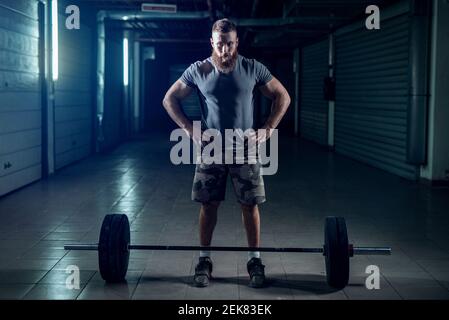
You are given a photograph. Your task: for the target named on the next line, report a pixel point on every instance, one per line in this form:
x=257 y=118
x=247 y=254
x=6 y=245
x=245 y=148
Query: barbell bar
x=114 y=247
x=356 y=250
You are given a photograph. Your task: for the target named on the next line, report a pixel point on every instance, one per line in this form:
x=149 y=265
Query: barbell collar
x=382 y=251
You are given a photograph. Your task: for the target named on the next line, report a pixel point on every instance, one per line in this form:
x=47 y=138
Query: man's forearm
x=174 y=110
x=278 y=108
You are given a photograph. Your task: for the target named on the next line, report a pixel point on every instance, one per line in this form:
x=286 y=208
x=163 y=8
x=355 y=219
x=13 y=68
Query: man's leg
x=209 y=186
x=250 y=191
x=207 y=221
x=251 y=221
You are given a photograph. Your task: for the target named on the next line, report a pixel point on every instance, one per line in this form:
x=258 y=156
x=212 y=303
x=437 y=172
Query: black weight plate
x=336 y=251
x=113 y=252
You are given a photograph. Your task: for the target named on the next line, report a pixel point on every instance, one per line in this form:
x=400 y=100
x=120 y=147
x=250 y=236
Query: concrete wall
x=113 y=125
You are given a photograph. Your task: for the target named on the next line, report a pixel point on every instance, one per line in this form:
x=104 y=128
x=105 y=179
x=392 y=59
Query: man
x=226 y=81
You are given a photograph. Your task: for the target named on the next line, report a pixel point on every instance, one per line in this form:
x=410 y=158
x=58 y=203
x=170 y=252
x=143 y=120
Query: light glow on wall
x=125 y=62
x=55 y=42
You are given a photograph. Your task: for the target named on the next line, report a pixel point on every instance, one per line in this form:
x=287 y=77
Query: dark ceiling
x=261 y=23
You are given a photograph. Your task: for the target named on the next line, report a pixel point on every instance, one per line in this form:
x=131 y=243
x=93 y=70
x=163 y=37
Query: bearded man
x=226 y=83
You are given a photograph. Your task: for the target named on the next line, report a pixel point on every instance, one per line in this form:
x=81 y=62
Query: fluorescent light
x=54 y=35
x=125 y=62
x=125 y=18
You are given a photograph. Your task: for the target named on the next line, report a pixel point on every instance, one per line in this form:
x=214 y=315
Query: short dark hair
x=224 y=25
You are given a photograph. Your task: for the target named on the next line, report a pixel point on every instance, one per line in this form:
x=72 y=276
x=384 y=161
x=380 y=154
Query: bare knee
x=249 y=208
x=210 y=207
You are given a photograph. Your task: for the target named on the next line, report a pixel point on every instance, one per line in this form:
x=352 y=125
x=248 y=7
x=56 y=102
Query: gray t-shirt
x=227 y=99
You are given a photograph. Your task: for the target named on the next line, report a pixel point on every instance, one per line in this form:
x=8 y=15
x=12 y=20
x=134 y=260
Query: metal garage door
x=372 y=73
x=191 y=105
x=73 y=95
x=313 y=108
x=20 y=98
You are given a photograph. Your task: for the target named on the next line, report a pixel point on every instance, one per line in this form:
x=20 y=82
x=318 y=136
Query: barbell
x=114 y=247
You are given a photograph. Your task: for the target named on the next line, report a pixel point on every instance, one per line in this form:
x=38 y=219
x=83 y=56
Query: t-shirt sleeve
x=263 y=75
x=188 y=76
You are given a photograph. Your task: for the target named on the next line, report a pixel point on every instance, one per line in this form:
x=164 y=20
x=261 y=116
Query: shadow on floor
x=315 y=284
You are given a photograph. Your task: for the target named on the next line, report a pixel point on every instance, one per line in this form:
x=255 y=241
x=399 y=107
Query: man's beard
x=225 y=66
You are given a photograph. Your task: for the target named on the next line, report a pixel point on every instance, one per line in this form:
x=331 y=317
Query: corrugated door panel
x=73 y=95
x=23 y=159
x=191 y=105
x=313 y=108
x=20 y=106
x=372 y=96
x=17 y=21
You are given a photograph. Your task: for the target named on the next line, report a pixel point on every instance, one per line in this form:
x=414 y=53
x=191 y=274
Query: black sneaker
x=256 y=273
x=203 y=272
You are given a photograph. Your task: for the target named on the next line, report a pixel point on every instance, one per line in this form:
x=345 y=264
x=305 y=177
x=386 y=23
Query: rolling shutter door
x=20 y=97
x=372 y=75
x=313 y=108
x=73 y=95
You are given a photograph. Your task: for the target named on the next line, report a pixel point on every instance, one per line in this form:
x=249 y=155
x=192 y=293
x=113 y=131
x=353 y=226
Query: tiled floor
x=138 y=179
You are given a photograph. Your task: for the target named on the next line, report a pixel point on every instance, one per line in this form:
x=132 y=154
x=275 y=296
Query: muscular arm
x=275 y=91
x=172 y=103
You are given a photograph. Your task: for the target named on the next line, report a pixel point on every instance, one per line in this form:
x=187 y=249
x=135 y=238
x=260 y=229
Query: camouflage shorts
x=209 y=183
